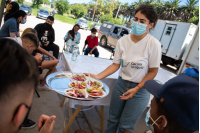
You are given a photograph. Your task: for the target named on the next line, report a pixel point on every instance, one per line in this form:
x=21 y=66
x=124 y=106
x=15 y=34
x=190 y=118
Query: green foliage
x=194 y=20
x=20 y=1
x=79 y=10
x=109 y=18
x=36 y=3
x=52 y=5
x=62 y=6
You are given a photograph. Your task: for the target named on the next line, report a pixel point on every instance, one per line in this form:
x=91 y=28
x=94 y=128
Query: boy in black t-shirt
x=46 y=36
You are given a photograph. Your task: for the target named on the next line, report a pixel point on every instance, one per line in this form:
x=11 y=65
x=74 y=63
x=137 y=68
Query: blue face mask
x=138 y=28
x=75 y=32
x=147 y=121
x=23 y=22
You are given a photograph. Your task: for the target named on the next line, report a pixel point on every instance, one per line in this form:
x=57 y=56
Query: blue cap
x=192 y=72
x=180 y=96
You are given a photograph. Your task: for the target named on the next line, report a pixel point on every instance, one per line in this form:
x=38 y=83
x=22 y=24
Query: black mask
x=29 y=108
x=48 y=25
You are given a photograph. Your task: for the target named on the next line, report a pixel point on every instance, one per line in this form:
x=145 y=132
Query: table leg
x=69 y=110
x=61 y=103
x=72 y=118
x=102 y=118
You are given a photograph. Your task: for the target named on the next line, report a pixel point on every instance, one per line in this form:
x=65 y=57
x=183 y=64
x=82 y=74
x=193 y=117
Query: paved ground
x=49 y=101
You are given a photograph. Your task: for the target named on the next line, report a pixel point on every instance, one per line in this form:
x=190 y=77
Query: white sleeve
x=117 y=56
x=155 y=55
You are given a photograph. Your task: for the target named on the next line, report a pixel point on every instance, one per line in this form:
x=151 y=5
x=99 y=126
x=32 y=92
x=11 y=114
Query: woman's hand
x=69 y=36
x=129 y=94
x=92 y=75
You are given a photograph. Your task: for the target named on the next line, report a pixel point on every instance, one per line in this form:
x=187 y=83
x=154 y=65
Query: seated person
x=92 y=42
x=46 y=36
x=175 y=106
x=75 y=35
x=50 y=65
x=11 y=27
x=19 y=77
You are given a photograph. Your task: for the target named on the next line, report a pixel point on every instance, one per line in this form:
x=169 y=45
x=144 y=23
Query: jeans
x=52 y=47
x=125 y=113
x=95 y=51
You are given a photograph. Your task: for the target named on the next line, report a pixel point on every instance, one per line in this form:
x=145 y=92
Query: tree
x=62 y=6
x=20 y=1
x=79 y=10
x=36 y=3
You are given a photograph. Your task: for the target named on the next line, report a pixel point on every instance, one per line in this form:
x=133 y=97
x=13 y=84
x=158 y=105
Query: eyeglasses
x=139 y=21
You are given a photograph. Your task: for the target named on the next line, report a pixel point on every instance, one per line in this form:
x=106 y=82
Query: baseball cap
x=180 y=97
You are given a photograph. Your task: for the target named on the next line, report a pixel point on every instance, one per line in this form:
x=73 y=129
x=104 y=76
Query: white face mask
x=93 y=35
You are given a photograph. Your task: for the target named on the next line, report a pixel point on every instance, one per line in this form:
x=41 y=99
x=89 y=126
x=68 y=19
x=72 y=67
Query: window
x=168 y=32
x=124 y=32
x=116 y=30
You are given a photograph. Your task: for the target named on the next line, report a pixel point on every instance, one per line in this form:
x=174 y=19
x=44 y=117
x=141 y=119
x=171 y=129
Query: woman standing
x=75 y=35
x=11 y=27
x=139 y=55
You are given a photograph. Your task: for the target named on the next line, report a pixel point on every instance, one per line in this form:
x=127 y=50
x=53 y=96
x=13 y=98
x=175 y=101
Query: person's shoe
x=28 y=124
x=43 y=87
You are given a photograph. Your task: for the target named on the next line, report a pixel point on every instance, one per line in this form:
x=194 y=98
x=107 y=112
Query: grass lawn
x=70 y=19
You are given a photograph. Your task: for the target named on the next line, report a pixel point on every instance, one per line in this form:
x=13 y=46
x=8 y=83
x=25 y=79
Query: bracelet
x=138 y=87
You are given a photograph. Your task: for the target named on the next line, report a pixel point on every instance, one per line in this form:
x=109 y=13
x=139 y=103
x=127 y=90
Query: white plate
x=65 y=92
x=93 y=81
x=77 y=74
x=77 y=82
x=104 y=94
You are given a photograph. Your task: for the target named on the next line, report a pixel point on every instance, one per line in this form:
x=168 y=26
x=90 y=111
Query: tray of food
x=77 y=86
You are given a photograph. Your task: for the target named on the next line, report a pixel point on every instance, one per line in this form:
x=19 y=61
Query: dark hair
x=72 y=31
x=29 y=30
x=18 y=70
x=50 y=18
x=18 y=14
x=174 y=126
x=149 y=12
x=33 y=38
x=93 y=30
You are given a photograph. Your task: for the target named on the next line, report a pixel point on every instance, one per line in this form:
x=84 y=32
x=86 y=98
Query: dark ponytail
x=18 y=14
x=72 y=31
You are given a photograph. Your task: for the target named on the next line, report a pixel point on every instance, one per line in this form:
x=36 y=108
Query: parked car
x=42 y=13
x=110 y=33
x=96 y=26
x=26 y=8
x=83 y=23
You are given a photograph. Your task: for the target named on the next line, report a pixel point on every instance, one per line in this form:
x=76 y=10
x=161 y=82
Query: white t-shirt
x=137 y=58
x=74 y=42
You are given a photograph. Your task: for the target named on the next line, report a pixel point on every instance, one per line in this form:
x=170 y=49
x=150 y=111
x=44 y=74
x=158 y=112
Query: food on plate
x=95 y=92
x=95 y=84
x=81 y=85
x=79 y=77
x=78 y=93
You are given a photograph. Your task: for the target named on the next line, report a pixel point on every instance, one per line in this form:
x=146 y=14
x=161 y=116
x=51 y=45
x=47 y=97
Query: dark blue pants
x=95 y=52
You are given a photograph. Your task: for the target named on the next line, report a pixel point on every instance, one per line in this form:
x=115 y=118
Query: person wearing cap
x=175 y=106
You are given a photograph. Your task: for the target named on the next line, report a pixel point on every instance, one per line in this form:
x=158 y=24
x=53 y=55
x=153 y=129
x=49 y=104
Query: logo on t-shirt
x=44 y=38
x=136 y=65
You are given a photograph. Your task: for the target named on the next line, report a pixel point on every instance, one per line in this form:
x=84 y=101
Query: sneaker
x=28 y=124
x=43 y=87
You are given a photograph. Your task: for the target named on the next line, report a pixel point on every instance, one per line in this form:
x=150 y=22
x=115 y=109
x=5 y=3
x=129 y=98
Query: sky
x=123 y=1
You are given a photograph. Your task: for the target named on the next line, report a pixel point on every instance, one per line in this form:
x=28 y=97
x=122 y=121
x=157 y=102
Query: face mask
x=48 y=25
x=154 y=122
x=23 y=22
x=75 y=32
x=93 y=35
x=138 y=28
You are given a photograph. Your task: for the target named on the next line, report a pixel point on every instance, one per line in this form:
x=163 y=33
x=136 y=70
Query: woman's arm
x=18 y=34
x=45 y=52
x=67 y=36
x=108 y=71
x=130 y=93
